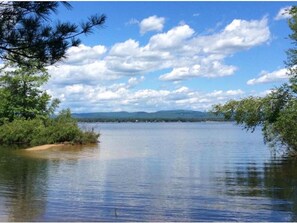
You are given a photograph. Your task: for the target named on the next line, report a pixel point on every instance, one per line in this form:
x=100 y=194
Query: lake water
x=151 y=172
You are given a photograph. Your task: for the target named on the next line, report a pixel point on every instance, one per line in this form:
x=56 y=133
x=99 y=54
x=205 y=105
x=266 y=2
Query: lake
x=204 y=171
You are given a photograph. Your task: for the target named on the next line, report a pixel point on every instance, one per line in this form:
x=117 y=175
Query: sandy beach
x=43 y=147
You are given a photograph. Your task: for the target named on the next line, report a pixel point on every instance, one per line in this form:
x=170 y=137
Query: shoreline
x=43 y=147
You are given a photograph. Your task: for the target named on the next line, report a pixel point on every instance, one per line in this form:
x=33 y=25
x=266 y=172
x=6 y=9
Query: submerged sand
x=44 y=147
x=61 y=152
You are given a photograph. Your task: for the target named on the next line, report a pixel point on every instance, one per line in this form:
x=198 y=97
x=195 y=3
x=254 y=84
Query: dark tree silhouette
x=27 y=32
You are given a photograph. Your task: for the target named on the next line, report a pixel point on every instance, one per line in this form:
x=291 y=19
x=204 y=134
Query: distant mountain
x=169 y=115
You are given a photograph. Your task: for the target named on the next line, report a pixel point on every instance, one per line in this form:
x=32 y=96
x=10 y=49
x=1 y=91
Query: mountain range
x=169 y=115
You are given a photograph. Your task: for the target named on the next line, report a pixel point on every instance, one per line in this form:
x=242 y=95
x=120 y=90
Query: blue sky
x=153 y=56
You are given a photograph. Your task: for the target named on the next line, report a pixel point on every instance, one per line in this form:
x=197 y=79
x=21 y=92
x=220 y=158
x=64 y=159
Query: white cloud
x=83 y=80
x=266 y=77
x=220 y=93
x=128 y=48
x=174 y=38
x=83 y=97
x=182 y=90
x=84 y=54
x=211 y=69
x=234 y=92
x=150 y=93
x=283 y=13
x=265 y=93
x=133 y=81
x=129 y=58
x=177 y=74
x=237 y=36
x=185 y=53
x=92 y=73
x=75 y=88
x=152 y=23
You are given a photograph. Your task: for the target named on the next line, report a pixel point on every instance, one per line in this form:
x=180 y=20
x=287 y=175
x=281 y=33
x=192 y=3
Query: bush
x=35 y=132
x=20 y=131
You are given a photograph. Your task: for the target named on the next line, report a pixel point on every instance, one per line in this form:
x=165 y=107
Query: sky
x=152 y=56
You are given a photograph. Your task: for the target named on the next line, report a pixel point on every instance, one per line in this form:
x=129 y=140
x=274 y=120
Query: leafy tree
x=26 y=32
x=276 y=113
x=21 y=96
x=29 y=41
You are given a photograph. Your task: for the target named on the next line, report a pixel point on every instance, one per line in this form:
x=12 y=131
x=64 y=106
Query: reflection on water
x=276 y=180
x=23 y=188
x=151 y=172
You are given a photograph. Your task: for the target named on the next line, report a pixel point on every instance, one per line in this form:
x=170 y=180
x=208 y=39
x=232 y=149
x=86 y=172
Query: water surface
x=151 y=172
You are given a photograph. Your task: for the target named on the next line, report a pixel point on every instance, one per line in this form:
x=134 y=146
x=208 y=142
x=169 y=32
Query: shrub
x=20 y=131
x=35 y=132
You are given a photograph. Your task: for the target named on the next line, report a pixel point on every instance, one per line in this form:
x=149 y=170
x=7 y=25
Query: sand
x=44 y=147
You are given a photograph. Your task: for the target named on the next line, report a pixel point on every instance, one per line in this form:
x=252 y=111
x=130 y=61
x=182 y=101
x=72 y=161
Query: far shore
x=44 y=147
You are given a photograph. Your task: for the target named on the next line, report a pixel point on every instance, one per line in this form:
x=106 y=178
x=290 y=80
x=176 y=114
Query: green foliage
x=20 y=131
x=36 y=131
x=63 y=128
x=286 y=126
x=29 y=41
x=276 y=112
x=27 y=32
x=21 y=96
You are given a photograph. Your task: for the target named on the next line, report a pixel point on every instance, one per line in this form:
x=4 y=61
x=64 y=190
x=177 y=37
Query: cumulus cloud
x=219 y=94
x=178 y=74
x=213 y=69
x=129 y=58
x=266 y=77
x=84 y=54
x=174 y=38
x=152 y=23
x=129 y=47
x=123 y=96
x=88 y=78
x=180 y=46
x=180 y=50
x=283 y=13
x=64 y=74
x=133 y=81
x=237 y=36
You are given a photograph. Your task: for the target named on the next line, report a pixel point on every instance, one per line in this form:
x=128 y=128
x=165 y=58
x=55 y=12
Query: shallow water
x=151 y=172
